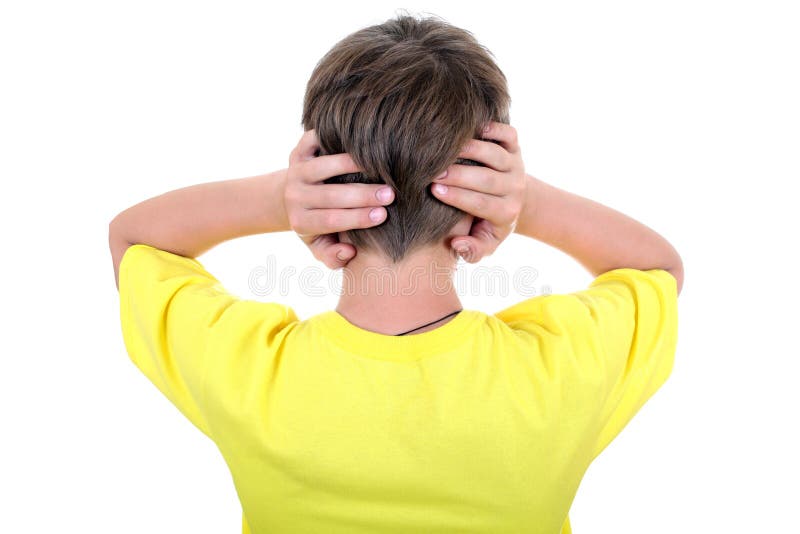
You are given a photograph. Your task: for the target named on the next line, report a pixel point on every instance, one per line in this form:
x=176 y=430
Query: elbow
x=113 y=233
x=113 y=226
x=117 y=242
x=116 y=229
x=677 y=272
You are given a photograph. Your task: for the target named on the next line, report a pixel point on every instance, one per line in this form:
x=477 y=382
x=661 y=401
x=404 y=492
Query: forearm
x=598 y=237
x=191 y=220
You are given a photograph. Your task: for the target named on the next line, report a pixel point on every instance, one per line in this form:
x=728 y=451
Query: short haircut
x=402 y=98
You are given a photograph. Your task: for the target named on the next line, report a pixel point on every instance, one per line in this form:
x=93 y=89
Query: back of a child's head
x=402 y=98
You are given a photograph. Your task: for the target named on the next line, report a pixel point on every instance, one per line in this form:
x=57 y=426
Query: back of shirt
x=485 y=424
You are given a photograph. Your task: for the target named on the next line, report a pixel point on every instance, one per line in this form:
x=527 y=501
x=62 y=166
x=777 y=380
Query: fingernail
x=376 y=214
x=442 y=175
x=440 y=188
x=384 y=194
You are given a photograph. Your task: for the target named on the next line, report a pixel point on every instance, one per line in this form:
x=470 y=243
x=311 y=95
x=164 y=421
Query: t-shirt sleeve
x=177 y=317
x=632 y=316
x=618 y=337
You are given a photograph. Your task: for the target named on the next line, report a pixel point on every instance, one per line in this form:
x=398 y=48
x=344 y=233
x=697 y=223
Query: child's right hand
x=494 y=194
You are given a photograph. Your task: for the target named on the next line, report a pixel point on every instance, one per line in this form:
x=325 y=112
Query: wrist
x=529 y=209
x=270 y=205
x=278 y=193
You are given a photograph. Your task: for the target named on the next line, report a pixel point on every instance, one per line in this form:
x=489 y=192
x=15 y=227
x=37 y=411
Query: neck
x=388 y=298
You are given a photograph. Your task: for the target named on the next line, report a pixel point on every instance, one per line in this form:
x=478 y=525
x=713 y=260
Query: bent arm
x=598 y=237
x=191 y=220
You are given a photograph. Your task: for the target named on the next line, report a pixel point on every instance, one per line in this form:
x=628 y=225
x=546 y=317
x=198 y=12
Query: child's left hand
x=317 y=211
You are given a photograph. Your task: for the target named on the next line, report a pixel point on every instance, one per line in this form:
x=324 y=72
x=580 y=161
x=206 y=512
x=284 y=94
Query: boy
x=399 y=411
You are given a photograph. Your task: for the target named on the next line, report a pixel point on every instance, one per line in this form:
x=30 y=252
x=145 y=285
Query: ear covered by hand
x=317 y=212
x=494 y=194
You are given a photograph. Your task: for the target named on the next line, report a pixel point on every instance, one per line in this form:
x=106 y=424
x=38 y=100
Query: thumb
x=327 y=249
x=338 y=255
x=345 y=252
x=471 y=249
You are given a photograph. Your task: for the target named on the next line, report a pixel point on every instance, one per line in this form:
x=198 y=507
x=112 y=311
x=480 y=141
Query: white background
x=683 y=114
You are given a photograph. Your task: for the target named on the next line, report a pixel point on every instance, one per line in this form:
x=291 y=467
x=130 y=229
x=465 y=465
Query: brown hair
x=402 y=98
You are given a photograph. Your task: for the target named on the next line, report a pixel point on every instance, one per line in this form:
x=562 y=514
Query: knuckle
x=485 y=179
x=331 y=219
x=290 y=194
x=487 y=234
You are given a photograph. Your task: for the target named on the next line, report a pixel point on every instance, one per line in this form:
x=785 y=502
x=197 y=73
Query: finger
x=323 y=167
x=348 y=195
x=472 y=249
x=475 y=203
x=490 y=154
x=328 y=221
x=481 y=179
x=306 y=147
x=327 y=247
x=506 y=137
x=345 y=252
x=331 y=252
x=505 y=133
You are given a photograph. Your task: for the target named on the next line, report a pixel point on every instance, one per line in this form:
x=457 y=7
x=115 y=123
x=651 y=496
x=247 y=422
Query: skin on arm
x=192 y=220
x=598 y=237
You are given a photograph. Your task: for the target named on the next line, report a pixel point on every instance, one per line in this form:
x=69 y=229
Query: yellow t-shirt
x=485 y=424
